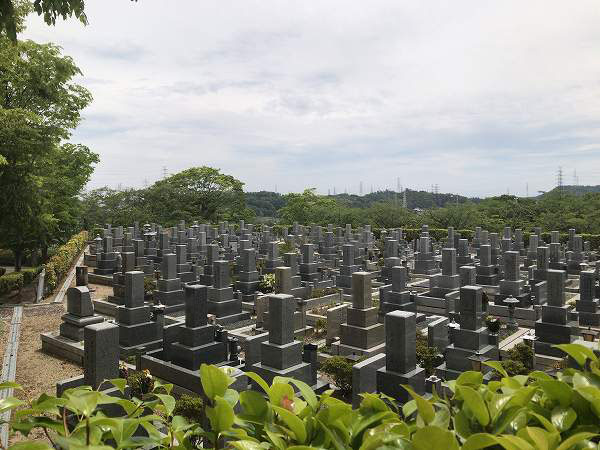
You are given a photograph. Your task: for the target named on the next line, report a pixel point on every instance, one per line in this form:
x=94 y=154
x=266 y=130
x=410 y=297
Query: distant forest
x=266 y=204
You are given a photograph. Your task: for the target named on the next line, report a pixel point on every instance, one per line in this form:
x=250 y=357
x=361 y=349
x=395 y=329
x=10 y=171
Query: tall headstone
x=471 y=339
x=512 y=285
x=308 y=266
x=196 y=344
x=101 y=353
x=400 y=357
x=463 y=257
x=554 y=327
x=107 y=263
x=395 y=296
x=486 y=271
x=247 y=282
x=425 y=262
x=169 y=291
x=221 y=302
x=282 y=354
x=136 y=329
x=347 y=268
x=362 y=334
x=587 y=305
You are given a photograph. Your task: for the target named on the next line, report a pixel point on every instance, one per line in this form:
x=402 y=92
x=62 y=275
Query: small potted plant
x=493 y=326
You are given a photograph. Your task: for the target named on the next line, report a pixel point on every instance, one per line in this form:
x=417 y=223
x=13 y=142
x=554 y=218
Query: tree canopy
x=40 y=174
x=13 y=11
x=198 y=193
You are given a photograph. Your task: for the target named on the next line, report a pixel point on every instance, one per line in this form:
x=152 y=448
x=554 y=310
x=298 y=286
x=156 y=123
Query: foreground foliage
x=534 y=411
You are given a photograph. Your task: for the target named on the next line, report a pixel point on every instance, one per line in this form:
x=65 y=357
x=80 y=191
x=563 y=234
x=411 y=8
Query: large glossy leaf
x=168 y=402
x=307 y=393
x=480 y=440
x=563 y=418
x=281 y=394
x=578 y=352
x=246 y=445
x=214 y=381
x=253 y=404
x=575 y=439
x=470 y=378
x=475 y=403
x=221 y=416
x=426 y=410
x=462 y=424
x=430 y=437
x=497 y=403
x=497 y=365
x=536 y=436
x=505 y=418
x=592 y=395
x=119 y=383
x=557 y=390
x=514 y=443
x=292 y=422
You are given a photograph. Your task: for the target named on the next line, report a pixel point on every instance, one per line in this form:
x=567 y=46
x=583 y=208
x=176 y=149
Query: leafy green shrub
x=286 y=247
x=427 y=357
x=60 y=263
x=340 y=371
x=189 y=407
x=140 y=382
x=536 y=411
x=267 y=283
x=514 y=367
x=11 y=282
x=493 y=324
x=522 y=353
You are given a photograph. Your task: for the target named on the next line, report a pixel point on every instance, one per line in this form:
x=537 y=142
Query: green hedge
x=58 y=266
x=17 y=280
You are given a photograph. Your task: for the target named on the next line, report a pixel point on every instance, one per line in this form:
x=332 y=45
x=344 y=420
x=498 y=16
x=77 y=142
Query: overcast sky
x=475 y=96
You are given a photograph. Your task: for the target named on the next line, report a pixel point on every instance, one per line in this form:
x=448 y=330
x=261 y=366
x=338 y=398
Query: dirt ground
x=38 y=372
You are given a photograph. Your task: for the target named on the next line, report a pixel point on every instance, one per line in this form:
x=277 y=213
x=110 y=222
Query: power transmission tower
x=404 y=203
x=328 y=192
x=527 y=190
x=559 y=180
x=164 y=172
x=575 y=178
x=360 y=188
x=334 y=193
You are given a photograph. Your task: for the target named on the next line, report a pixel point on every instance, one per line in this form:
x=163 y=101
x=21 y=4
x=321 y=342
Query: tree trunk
x=18 y=259
x=44 y=253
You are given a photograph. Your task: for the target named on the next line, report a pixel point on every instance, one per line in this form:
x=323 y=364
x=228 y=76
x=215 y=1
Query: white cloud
x=477 y=97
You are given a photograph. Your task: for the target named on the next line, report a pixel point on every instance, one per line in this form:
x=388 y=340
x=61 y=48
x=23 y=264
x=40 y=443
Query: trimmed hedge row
x=17 y=280
x=60 y=263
